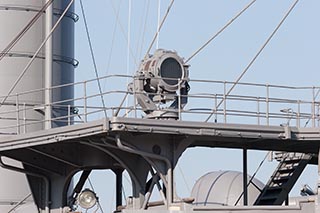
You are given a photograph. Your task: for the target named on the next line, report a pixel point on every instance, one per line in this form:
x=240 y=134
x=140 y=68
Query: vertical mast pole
x=128 y=53
x=158 y=25
x=48 y=66
x=245 y=177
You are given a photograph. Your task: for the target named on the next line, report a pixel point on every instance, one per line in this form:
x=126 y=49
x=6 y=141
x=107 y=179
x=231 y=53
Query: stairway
x=283 y=179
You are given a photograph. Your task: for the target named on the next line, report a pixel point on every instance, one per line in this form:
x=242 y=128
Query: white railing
x=248 y=103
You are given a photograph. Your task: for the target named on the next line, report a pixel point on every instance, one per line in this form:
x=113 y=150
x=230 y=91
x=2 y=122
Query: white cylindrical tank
x=224 y=188
x=14 y=16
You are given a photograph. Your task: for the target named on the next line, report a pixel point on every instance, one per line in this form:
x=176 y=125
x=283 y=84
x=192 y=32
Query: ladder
x=283 y=179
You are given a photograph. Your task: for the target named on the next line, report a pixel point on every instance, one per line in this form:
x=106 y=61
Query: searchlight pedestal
x=161 y=85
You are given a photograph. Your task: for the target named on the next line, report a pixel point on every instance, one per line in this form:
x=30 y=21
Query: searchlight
x=162 y=79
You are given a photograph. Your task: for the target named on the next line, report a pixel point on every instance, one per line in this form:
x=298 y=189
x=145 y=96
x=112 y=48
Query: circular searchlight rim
x=87 y=195
x=163 y=82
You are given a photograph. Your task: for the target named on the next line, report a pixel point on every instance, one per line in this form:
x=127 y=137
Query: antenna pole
x=48 y=67
x=158 y=25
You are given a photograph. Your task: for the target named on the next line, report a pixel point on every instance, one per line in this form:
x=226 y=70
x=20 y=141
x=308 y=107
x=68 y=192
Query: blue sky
x=291 y=58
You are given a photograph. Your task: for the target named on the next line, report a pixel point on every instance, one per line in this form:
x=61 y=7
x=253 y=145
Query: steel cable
x=160 y=26
x=91 y=185
x=35 y=54
x=145 y=28
x=255 y=57
x=146 y=15
x=93 y=58
x=220 y=31
x=123 y=32
x=24 y=30
x=253 y=176
x=113 y=38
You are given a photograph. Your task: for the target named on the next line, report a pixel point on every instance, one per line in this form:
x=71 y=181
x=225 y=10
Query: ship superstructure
x=49 y=133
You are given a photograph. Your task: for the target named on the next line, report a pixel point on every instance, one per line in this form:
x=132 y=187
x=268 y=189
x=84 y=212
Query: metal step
x=283 y=179
x=286 y=170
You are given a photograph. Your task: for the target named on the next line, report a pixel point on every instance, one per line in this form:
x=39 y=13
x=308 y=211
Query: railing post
x=85 y=101
x=267 y=102
x=258 y=110
x=69 y=115
x=215 y=108
x=318 y=111
x=298 y=114
x=24 y=118
x=224 y=102
x=179 y=99
x=313 y=108
x=134 y=97
x=17 y=114
x=48 y=109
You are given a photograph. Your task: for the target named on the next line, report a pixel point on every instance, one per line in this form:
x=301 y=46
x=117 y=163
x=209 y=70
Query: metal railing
x=250 y=103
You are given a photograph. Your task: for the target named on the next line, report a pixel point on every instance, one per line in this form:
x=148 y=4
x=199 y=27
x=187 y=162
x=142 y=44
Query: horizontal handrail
x=276 y=104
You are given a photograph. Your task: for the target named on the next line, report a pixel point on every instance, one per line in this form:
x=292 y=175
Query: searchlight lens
x=87 y=199
x=171 y=71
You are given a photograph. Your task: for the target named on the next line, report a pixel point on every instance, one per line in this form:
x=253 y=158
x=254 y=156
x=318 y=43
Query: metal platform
x=126 y=140
x=258 y=137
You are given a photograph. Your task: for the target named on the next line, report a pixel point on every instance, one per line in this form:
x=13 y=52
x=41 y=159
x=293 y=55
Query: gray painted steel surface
x=96 y=142
x=224 y=188
x=14 y=16
x=141 y=146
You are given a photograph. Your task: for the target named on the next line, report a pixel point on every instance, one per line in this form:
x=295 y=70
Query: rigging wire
x=19 y=203
x=93 y=58
x=314 y=98
x=112 y=200
x=123 y=32
x=113 y=38
x=255 y=57
x=184 y=179
x=124 y=193
x=144 y=28
x=221 y=30
x=160 y=26
x=24 y=30
x=91 y=185
x=141 y=26
x=124 y=175
x=36 y=53
x=253 y=176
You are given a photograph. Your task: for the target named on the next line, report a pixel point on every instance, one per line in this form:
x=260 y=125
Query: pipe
x=46 y=180
x=162 y=177
x=170 y=174
x=134 y=177
x=48 y=66
x=147 y=159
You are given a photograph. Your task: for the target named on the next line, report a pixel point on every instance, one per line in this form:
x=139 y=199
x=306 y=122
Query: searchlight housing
x=87 y=199
x=162 y=78
x=165 y=69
